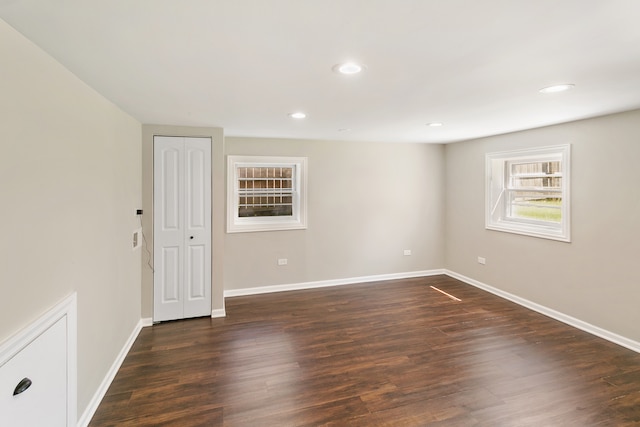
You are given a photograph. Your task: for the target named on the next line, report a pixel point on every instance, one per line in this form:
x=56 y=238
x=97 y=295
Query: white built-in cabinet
x=181 y=227
x=38 y=371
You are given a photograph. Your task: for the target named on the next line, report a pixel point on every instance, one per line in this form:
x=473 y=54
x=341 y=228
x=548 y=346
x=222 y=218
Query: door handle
x=22 y=386
x=191 y=237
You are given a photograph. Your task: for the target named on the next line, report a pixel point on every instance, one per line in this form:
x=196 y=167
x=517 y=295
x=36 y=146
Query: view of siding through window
x=265 y=191
x=535 y=190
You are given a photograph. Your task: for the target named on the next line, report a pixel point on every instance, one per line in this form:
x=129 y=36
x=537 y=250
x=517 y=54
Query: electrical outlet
x=282 y=261
x=482 y=260
x=407 y=252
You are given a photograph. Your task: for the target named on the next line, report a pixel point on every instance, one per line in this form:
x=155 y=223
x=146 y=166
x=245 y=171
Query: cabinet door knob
x=22 y=386
x=191 y=237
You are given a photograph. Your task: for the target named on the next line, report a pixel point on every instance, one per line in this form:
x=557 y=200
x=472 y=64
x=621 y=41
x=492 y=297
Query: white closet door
x=182 y=227
x=197 y=227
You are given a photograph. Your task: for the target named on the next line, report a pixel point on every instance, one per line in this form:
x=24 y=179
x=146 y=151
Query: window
x=527 y=192
x=266 y=193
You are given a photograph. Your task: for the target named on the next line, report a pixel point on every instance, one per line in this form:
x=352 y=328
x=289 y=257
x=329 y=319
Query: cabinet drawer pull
x=22 y=386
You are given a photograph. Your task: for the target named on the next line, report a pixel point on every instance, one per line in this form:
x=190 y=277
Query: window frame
x=497 y=189
x=296 y=221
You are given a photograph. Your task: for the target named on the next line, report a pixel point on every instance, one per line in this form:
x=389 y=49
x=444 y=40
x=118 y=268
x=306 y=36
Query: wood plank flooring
x=394 y=353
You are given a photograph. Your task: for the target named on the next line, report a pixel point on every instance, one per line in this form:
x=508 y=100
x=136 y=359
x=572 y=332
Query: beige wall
x=593 y=278
x=218 y=211
x=70 y=174
x=366 y=203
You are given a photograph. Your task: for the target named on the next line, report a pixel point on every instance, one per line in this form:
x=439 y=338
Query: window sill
x=541 y=232
x=255 y=226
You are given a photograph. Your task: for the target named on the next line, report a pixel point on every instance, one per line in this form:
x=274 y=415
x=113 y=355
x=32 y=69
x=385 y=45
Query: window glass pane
x=535 y=191
x=540 y=206
x=536 y=175
x=546 y=168
x=537 y=182
x=265 y=191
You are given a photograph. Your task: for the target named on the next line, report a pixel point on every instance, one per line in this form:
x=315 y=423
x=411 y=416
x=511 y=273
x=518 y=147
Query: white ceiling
x=475 y=65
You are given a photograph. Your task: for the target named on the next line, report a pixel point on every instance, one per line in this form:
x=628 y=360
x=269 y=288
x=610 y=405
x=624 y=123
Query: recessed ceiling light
x=557 y=88
x=348 y=68
x=297 y=115
x=434 y=124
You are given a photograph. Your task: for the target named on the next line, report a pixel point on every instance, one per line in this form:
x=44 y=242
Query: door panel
x=170 y=192
x=171 y=274
x=182 y=227
x=196 y=189
x=195 y=275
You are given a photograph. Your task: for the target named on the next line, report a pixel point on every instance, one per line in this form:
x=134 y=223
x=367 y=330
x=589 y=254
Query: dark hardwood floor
x=394 y=353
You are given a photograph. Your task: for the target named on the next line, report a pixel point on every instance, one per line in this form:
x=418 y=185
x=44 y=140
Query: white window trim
x=495 y=190
x=297 y=221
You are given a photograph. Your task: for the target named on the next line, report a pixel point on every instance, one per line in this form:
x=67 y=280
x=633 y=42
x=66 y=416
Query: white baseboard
x=218 y=313
x=327 y=283
x=564 y=318
x=111 y=374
